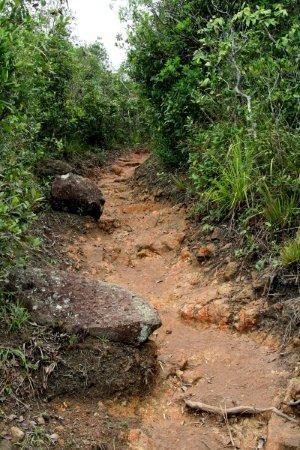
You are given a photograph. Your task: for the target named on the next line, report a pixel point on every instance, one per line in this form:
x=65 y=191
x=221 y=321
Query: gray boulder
x=77 y=304
x=76 y=194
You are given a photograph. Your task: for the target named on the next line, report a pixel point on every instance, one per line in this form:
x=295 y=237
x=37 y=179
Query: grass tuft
x=234 y=184
x=290 y=252
x=18 y=317
x=279 y=210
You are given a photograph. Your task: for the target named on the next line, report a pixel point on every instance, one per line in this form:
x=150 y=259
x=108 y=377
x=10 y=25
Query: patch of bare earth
x=210 y=348
x=141 y=244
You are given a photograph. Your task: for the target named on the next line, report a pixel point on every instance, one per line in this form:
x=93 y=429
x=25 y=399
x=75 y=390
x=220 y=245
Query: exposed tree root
x=236 y=410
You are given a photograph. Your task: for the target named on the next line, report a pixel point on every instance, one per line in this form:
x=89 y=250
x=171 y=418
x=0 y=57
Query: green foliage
x=56 y=98
x=18 y=317
x=279 y=210
x=232 y=187
x=19 y=195
x=36 y=438
x=10 y=354
x=13 y=316
x=222 y=79
x=290 y=252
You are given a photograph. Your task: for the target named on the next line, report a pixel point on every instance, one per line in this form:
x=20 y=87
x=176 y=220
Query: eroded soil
x=209 y=347
x=139 y=245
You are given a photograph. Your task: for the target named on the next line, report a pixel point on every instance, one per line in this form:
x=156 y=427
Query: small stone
x=134 y=435
x=216 y=234
x=205 y=252
x=247 y=318
x=225 y=289
x=54 y=437
x=46 y=416
x=12 y=417
x=230 y=270
x=192 y=376
x=185 y=254
x=293 y=392
x=179 y=373
x=101 y=407
x=187 y=312
x=116 y=170
x=40 y=420
x=25 y=424
x=246 y=293
x=17 y=434
x=217 y=312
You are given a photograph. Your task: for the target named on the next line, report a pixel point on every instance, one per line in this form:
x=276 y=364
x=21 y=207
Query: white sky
x=96 y=18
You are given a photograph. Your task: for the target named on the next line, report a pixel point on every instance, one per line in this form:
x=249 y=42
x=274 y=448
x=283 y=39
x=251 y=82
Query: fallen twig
x=225 y=415
x=236 y=410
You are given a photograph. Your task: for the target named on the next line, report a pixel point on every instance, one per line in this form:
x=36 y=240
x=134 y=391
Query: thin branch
x=270 y=36
x=238 y=82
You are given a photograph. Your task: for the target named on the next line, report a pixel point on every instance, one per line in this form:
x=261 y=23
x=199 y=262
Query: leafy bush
x=19 y=196
x=222 y=79
x=56 y=98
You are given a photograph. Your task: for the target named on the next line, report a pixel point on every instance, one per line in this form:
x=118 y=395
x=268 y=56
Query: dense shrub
x=56 y=97
x=222 y=79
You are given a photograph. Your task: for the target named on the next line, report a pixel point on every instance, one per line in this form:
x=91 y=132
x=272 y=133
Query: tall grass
x=290 y=252
x=233 y=186
x=279 y=209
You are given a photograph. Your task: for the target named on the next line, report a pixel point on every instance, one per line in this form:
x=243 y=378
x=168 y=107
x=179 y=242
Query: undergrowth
x=58 y=99
x=222 y=80
x=290 y=251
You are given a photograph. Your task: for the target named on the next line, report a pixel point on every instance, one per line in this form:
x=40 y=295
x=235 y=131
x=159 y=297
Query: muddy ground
x=213 y=345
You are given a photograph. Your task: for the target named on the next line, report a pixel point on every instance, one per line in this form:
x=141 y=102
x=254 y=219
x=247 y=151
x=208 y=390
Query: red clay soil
x=139 y=245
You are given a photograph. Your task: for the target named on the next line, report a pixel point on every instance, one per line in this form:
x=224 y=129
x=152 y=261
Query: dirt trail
x=140 y=245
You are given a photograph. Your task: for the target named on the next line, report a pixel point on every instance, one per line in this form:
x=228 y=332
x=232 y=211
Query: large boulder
x=78 y=195
x=77 y=304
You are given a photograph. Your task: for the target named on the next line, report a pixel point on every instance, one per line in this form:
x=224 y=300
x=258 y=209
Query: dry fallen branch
x=236 y=410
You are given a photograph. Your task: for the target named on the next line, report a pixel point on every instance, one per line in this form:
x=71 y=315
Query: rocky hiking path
x=139 y=245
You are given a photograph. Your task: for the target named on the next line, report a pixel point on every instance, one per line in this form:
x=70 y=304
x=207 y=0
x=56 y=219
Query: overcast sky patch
x=97 y=18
